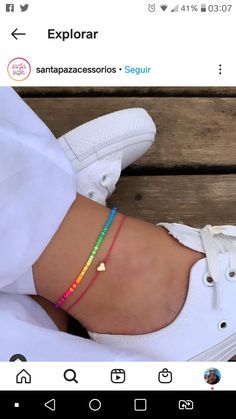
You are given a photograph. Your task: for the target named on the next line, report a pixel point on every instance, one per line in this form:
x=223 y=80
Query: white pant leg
x=37 y=187
x=26 y=328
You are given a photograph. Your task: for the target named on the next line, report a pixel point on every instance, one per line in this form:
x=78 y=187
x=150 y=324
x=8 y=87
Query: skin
x=212 y=378
x=146 y=280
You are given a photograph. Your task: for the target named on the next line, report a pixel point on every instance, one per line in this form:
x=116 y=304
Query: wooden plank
x=127 y=91
x=193 y=200
x=192 y=132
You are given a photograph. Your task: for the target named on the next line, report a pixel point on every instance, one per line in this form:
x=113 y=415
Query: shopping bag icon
x=165 y=376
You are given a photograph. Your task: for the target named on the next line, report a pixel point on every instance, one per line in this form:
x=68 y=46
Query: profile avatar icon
x=212 y=376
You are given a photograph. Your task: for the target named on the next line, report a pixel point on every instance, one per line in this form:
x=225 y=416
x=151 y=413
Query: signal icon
x=176 y=9
x=163 y=7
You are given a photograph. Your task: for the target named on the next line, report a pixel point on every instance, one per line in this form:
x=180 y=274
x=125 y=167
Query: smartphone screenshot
x=117 y=208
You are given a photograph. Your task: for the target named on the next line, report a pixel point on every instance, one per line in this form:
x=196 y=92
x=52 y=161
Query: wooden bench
x=189 y=175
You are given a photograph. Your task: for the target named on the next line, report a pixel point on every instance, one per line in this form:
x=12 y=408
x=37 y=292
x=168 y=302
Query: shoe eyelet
x=231 y=274
x=222 y=325
x=208 y=280
x=91 y=194
x=103 y=179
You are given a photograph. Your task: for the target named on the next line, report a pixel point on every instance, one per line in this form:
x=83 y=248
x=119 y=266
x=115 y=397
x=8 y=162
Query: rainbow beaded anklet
x=105 y=260
x=89 y=261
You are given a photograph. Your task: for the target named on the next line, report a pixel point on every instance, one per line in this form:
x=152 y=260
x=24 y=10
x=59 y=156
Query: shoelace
x=215 y=240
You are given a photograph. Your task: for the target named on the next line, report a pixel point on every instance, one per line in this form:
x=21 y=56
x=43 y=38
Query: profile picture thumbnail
x=212 y=376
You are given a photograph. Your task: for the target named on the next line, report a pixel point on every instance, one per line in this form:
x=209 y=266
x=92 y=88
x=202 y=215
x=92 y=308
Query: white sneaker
x=101 y=148
x=205 y=329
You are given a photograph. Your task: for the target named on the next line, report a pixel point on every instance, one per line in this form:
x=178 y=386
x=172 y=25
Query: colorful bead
x=89 y=260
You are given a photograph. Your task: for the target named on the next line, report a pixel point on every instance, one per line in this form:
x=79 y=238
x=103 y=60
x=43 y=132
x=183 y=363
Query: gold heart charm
x=101 y=267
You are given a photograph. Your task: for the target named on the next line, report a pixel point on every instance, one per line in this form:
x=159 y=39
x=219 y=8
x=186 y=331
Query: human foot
x=140 y=290
x=205 y=329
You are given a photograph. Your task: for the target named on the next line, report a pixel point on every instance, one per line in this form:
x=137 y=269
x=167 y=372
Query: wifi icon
x=163 y=7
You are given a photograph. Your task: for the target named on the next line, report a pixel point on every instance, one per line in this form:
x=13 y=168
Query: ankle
x=150 y=292
x=144 y=286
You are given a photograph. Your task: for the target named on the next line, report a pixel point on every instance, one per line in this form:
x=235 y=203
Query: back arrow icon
x=15 y=33
x=51 y=404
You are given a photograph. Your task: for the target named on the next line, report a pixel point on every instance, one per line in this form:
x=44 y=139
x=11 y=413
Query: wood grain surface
x=127 y=91
x=197 y=133
x=193 y=200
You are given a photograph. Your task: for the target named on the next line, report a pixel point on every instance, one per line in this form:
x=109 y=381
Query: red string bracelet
x=103 y=263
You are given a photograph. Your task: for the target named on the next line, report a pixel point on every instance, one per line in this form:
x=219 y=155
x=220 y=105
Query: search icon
x=70 y=375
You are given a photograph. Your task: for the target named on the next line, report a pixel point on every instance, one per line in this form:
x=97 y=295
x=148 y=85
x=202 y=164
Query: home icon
x=23 y=377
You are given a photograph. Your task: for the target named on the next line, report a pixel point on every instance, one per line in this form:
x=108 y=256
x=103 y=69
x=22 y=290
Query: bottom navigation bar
x=109 y=403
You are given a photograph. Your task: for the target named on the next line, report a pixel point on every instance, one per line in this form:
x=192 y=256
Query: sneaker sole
x=130 y=130
x=221 y=352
